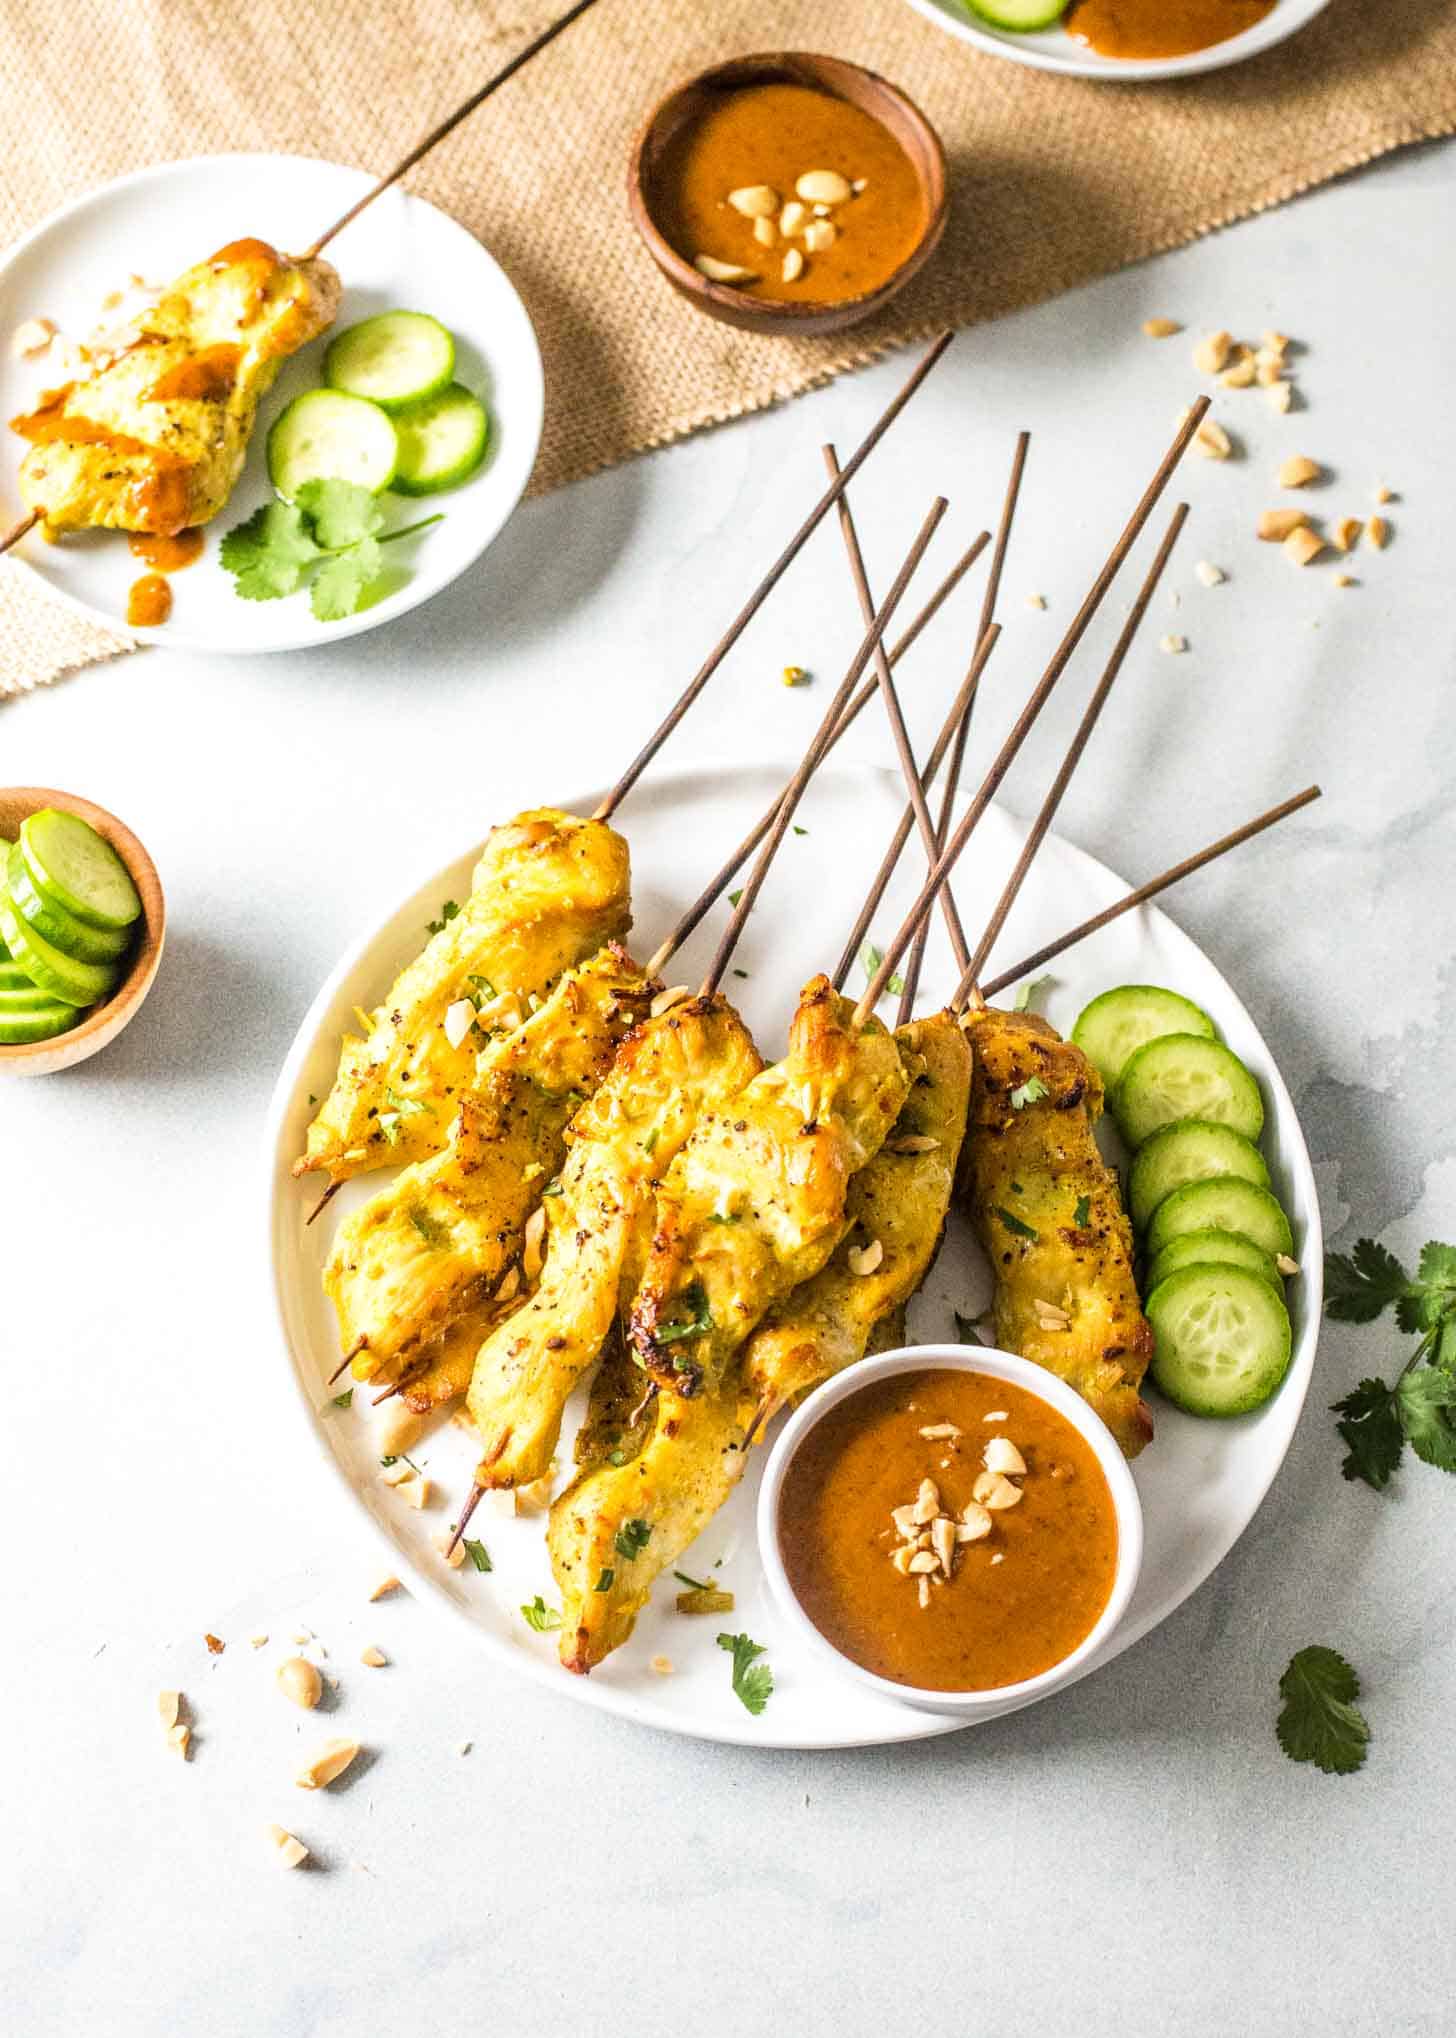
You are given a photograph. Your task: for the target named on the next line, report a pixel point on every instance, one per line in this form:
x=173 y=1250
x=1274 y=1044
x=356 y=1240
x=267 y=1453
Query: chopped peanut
x=1378 y=532
x=1303 y=545
x=1211 y=353
x=1299 y=471
x=1274 y=526
x=1161 y=328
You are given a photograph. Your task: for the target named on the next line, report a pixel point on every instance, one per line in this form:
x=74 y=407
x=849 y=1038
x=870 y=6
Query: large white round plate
x=1053 y=49
x=1200 y=1482
x=400 y=253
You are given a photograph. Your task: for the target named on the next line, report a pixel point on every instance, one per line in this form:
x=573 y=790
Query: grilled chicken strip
x=547 y=892
x=1046 y=1207
x=754 y=1203
x=156 y=440
x=668 y=1074
x=900 y=1200
x=446 y=1229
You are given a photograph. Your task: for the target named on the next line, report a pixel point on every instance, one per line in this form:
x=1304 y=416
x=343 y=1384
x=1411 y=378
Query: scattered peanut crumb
x=1036 y=601
x=864 y=1259
x=302 y=1636
x=1212 y=441
x=32 y=337
x=453 y=1557
x=374 y=1658
x=1172 y=644
x=328 y=1765
x=1274 y=343
x=1346 y=534
x=300 y=1682
x=382 y=1587
x=1241 y=372
x=1384 y=494
x=1161 y=328
x=399 y=1430
x=169 y=1708
x=1299 y=471
x=1280 y=395
x=259 y=1641
x=1303 y=545
x=1378 y=532
x=1209 y=574
x=418 y=1492
x=795 y=675
x=179 y=1739
x=214 y=1646
x=1212 y=352
x=1285 y=1264
x=291 y=1852
x=1274 y=526
x=661 y=1665
x=1344 y=580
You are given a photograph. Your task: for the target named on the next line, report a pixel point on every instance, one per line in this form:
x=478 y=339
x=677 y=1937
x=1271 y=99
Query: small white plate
x=1053 y=49
x=402 y=253
x=1200 y=1483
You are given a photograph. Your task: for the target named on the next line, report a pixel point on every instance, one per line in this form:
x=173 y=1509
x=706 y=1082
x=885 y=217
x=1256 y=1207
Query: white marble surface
x=1134 y=1857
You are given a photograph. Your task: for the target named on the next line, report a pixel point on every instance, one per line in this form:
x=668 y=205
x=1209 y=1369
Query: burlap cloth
x=1054 y=180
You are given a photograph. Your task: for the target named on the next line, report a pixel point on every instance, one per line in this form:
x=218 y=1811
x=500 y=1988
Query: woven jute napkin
x=1054 y=180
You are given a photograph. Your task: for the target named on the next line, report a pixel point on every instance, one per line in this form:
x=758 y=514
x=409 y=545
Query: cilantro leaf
x=1431 y=1302
x=341 y=512
x=1426 y=1398
x=1014 y=1223
x=447 y=913
x=752 y=1682
x=693 y=1584
x=1030 y=1092
x=870 y=959
x=477 y=1553
x=341 y=585
x=1021 y=1002
x=1359 y=1285
x=344 y=1400
x=267 y=554
x=1081 y=1217
x=632 y=1538
x=540 y=1616
x=604 y=1579
x=1372 y=1430
x=1320 y=1722
x=695 y=1297
x=734 y=897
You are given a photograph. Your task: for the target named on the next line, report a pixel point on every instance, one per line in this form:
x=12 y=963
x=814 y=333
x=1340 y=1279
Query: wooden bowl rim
x=121 y=1007
x=830 y=71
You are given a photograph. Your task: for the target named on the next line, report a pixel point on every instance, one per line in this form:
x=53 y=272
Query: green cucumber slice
x=1190 y=1150
x=1222 y=1339
x=26 y=997
x=1212 y=1248
x=23 y=1029
x=325 y=435
x=1113 y=1027
x=62 y=929
x=1018 y=15
x=13 y=977
x=1184 y=1075
x=77 y=869
x=67 y=980
x=1223 y=1204
x=394 y=359
x=441 y=442
x=6 y=845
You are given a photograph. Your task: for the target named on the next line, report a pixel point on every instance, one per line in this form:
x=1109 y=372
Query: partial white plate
x=402 y=253
x=1052 y=49
x=1200 y=1482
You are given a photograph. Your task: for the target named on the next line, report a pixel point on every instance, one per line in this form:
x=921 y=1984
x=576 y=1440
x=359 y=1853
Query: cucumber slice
x=1019 y=15
x=1189 y=1151
x=24 y=997
x=1222 y=1339
x=1113 y=1027
x=1213 y=1248
x=1183 y=1075
x=23 y=1029
x=441 y=442
x=1224 y=1204
x=62 y=929
x=6 y=845
x=68 y=981
x=397 y=358
x=328 y=436
x=13 y=977
x=77 y=869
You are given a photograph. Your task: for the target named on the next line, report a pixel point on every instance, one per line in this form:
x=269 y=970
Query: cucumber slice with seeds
x=23 y=1029
x=395 y=359
x=1224 y=1204
x=78 y=869
x=68 y=981
x=1191 y=1150
x=325 y=435
x=1184 y=1075
x=1213 y=1248
x=1113 y=1027
x=54 y=924
x=1222 y=1339
x=441 y=442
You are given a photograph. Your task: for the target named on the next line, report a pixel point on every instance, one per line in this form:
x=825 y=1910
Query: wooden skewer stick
x=451 y=122
x=1172 y=876
x=1040 y=694
x=719 y=884
x=326 y=1198
x=915 y=961
x=766 y=586
x=18 y=531
x=793 y=791
x=1037 y=833
x=965 y=694
x=895 y=713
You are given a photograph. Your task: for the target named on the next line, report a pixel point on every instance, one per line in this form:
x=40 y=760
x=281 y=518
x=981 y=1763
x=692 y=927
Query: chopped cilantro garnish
x=429 y=1228
x=734 y=897
x=695 y=1298
x=632 y=1538
x=1026 y=992
x=477 y=1553
x=604 y=1581
x=1083 y=1213
x=344 y=1400
x=870 y=959
x=447 y=913
x=752 y=1682
x=540 y=1616
x=1014 y=1223
x=1030 y=1092
x=696 y=1584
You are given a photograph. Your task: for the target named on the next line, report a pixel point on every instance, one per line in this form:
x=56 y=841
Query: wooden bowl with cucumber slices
x=82 y=922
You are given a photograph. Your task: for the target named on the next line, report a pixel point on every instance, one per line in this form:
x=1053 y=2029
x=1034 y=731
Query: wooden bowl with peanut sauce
x=787 y=193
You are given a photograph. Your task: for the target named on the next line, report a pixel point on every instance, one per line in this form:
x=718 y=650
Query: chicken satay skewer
x=1140 y=896
x=1036 y=701
x=915 y=961
x=968 y=987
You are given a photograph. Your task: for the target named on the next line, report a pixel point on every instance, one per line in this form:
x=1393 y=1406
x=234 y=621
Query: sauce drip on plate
x=1021 y=1593
x=166 y=553
x=149 y=601
x=1160 y=28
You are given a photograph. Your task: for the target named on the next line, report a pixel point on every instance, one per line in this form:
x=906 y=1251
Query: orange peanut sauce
x=772 y=133
x=204 y=377
x=1160 y=28
x=149 y=601
x=158 y=498
x=991 y=1623
x=166 y=552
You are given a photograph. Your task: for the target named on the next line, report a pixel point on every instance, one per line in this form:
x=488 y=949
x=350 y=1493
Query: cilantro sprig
x=1030 y=1092
x=1378 y=1417
x=330 y=537
x=1319 y=1721
x=752 y=1681
x=870 y=959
